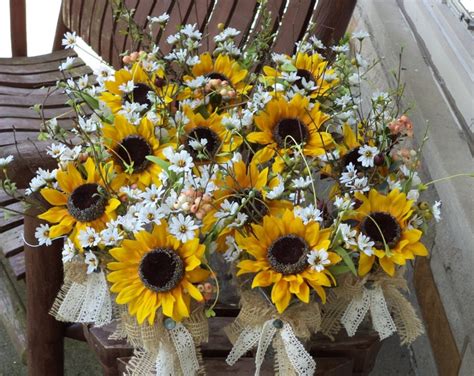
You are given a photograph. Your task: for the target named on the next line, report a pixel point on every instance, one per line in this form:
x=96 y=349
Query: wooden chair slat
x=8 y=219
x=6 y=199
x=12 y=241
x=160 y=7
x=199 y=12
x=242 y=18
x=106 y=34
x=86 y=18
x=40 y=59
x=143 y=10
x=177 y=16
x=294 y=24
x=22 y=125
x=9 y=138
x=118 y=41
x=76 y=14
x=36 y=80
x=276 y=9
x=221 y=14
x=25 y=92
x=21 y=69
x=97 y=23
x=52 y=101
x=17 y=265
x=27 y=113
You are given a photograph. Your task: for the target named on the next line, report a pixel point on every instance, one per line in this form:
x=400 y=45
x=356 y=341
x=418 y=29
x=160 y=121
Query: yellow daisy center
x=140 y=94
x=288 y=254
x=380 y=226
x=134 y=149
x=161 y=270
x=85 y=203
x=199 y=133
x=288 y=132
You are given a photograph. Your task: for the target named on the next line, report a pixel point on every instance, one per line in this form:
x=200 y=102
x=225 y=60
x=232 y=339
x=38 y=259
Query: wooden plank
x=20 y=91
x=199 y=13
x=331 y=18
x=17 y=265
x=18 y=27
x=37 y=80
x=26 y=113
x=60 y=30
x=163 y=6
x=276 y=9
x=97 y=24
x=443 y=344
x=24 y=125
x=142 y=11
x=177 y=17
x=106 y=34
x=54 y=56
x=44 y=277
x=12 y=314
x=6 y=199
x=87 y=20
x=294 y=24
x=118 y=39
x=10 y=219
x=76 y=14
x=52 y=101
x=12 y=241
x=242 y=18
x=221 y=15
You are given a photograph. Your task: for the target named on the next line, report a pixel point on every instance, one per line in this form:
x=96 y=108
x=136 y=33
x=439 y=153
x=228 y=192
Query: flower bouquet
x=283 y=166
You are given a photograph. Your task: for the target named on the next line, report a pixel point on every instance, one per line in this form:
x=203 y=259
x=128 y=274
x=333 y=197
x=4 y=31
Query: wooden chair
x=24 y=82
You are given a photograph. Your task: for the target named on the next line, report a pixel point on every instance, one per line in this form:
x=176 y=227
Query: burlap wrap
x=149 y=339
x=407 y=323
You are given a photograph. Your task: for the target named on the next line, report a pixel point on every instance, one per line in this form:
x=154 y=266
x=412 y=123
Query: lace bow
x=372 y=299
x=261 y=337
x=85 y=302
x=183 y=344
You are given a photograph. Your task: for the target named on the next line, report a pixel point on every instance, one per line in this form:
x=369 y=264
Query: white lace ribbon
x=373 y=300
x=87 y=302
x=262 y=336
x=185 y=350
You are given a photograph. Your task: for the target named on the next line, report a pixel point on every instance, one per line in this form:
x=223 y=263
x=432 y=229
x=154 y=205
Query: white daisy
x=278 y=190
x=5 y=161
x=180 y=162
x=150 y=214
x=343 y=203
x=127 y=87
x=88 y=238
x=228 y=209
x=111 y=235
x=69 y=40
x=55 y=150
x=183 y=228
x=365 y=244
x=309 y=214
x=360 y=34
x=233 y=251
x=367 y=155
x=348 y=176
x=42 y=235
x=348 y=235
x=301 y=182
x=67 y=64
x=318 y=259
x=69 y=251
x=162 y=19
x=239 y=220
x=92 y=262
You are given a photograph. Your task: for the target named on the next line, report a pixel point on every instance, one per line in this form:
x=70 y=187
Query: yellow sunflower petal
x=54 y=197
x=387 y=265
x=365 y=264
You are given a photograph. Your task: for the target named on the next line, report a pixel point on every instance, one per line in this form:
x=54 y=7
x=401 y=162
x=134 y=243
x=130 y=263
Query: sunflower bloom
x=157 y=271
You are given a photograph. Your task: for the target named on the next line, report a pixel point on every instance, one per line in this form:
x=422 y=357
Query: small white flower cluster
x=42 y=179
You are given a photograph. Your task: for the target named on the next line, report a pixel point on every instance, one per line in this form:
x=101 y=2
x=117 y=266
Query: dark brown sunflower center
x=351 y=157
x=306 y=74
x=212 y=142
x=380 y=226
x=288 y=254
x=289 y=132
x=252 y=204
x=140 y=95
x=161 y=270
x=85 y=203
x=133 y=149
x=217 y=76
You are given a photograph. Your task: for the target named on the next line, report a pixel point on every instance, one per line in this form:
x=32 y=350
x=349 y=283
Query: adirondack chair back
x=93 y=21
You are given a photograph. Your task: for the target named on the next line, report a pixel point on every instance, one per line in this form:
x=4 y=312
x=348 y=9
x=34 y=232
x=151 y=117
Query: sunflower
x=219 y=142
x=156 y=270
x=80 y=202
x=114 y=97
x=223 y=68
x=309 y=68
x=384 y=220
x=280 y=249
x=130 y=145
x=282 y=124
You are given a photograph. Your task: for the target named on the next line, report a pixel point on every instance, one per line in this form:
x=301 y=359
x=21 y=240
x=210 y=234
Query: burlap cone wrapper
x=173 y=351
x=377 y=296
x=83 y=298
x=254 y=327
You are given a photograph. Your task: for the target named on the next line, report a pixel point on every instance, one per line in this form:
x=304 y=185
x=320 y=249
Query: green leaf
x=160 y=162
x=339 y=269
x=346 y=258
x=91 y=101
x=210 y=313
x=43 y=136
x=287 y=67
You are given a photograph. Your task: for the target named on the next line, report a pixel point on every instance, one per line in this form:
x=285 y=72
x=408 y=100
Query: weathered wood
x=12 y=241
x=17 y=265
x=107 y=350
x=60 y=30
x=443 y=344
x=12 y=314
x=44 y=276
x=54 y=56
x=331 y=18
x=18 y=27
x=10 y=218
